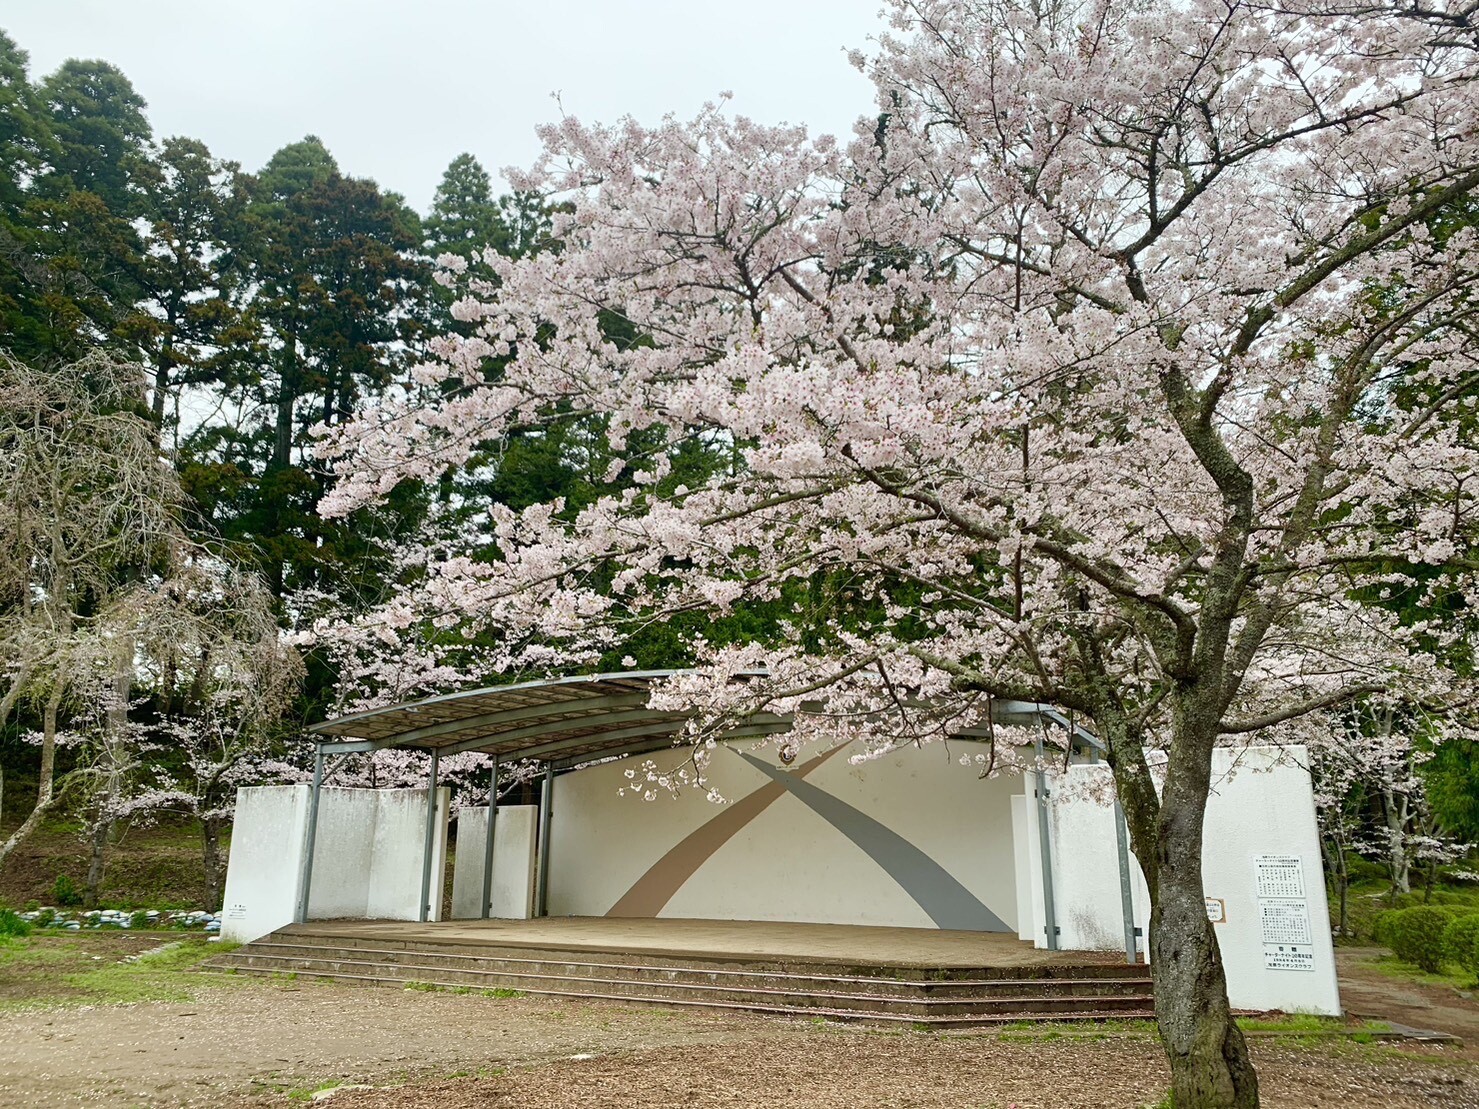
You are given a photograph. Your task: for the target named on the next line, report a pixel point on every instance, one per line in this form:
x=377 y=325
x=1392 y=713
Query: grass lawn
x=104 y=968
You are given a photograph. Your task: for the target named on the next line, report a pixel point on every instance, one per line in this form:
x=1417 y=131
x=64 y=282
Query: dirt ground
x=1367 y=992
x=81 y=1024
x=260 y=1042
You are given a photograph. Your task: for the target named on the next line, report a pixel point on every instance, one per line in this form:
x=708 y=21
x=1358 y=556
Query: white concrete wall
x=514 y=842
x=393 y=884
x=342 y=853
x=367 y=858
x=265 y=860
x=1262 y=805
x=827 y=853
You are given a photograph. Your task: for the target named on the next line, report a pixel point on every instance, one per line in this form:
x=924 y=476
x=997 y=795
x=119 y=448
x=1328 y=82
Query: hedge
x=1417 y=935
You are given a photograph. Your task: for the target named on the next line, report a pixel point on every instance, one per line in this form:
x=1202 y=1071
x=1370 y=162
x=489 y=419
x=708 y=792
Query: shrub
x=1416 y=936
x=1461 y=942
x=1384 y=925
x=12 y=925
x=66 y=892
x=1360 y=870
x=139 y=919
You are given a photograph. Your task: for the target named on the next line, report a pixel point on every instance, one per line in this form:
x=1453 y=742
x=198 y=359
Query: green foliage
x=66 y=892
x=1384 y=927
x=1416 y=935
x=1461 y=942
x=1451 y=783
x=12 y=926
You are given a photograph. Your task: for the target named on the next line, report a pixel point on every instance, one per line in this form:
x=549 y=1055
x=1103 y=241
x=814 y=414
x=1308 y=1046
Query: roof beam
x=756 y=731
x=654 y=728
x=523 y=712
x=556 y=727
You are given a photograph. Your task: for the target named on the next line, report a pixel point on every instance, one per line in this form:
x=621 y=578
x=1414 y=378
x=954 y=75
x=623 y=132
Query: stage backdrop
x=912 y=839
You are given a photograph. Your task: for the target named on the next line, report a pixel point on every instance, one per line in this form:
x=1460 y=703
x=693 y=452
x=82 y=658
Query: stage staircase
x=927 y=997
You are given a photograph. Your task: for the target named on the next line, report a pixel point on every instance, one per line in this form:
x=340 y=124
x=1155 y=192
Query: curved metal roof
x=562 y=721
x=567 y=721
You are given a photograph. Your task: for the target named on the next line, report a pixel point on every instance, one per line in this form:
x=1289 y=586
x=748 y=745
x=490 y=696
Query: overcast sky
x=397 y=88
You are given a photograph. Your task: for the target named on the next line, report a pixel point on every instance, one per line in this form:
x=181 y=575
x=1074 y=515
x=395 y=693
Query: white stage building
x=915 y=839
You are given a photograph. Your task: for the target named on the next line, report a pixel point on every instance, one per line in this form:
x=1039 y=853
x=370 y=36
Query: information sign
x=1288 y=957
x=1279 y=875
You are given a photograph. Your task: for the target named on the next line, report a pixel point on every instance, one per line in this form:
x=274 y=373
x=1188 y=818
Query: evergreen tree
x=189 y=267
x=464 y=218
x=100 y=131
x=338 y=284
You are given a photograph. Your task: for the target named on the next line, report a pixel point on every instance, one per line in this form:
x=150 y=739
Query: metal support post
x=1127 y=902
x=431 y=826
x=305 y=876
x=488 y=841
x=1045 y=852
x=546 y=806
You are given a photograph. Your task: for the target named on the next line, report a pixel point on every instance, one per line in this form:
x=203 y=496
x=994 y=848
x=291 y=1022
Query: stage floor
x=724 y=939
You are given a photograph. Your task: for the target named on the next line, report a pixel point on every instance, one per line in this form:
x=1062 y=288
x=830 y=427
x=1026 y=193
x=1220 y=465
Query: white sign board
x=1284 y=920
x=1279 y=875
x=1288 y=957
x=1216 y=910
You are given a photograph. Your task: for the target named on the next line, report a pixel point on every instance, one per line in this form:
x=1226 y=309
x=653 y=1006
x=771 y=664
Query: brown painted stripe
x=650 y=893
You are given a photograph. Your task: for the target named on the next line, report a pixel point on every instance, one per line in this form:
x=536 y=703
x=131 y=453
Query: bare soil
x=1366 y=991
x=261 y=1042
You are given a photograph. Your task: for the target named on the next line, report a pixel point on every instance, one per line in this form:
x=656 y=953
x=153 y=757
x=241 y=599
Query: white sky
x=397 y=89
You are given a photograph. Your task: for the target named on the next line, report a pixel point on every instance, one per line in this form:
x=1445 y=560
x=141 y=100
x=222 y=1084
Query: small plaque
x=236 y=912
x=1288 y=957
x=1216 y=910
x=1279 y=875
x=1284 y=920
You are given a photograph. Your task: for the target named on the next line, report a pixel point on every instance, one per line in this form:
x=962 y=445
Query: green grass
x=1306 y=1026
x=305 y=1093
x=64 y=974
x=1452 y=975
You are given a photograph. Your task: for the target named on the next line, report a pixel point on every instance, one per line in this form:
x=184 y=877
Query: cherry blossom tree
x=221 y=678
x=1113 y=362
x=88 y=510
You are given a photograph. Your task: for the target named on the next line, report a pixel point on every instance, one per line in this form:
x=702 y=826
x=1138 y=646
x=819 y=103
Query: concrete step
x=772 y=1007
x=937 y=998
x=678 y=975
x=1091 y=967
x=758 y=990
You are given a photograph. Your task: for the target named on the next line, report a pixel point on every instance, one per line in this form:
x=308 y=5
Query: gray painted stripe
x=948 y=903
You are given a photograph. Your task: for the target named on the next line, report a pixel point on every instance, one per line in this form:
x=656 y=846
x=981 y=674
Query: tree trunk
x=45 y=794
x=1210 y=1065
x=114 y=760
x=1343 y=891
x=98 y=843
x=1208 y=1056
x=1332 y=846
x=1399 y=866
x=210 y=828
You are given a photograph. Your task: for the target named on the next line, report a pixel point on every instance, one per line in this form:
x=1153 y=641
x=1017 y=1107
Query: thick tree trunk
x=210 y=829
x=1208 y=1056
x=1210 y=1065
